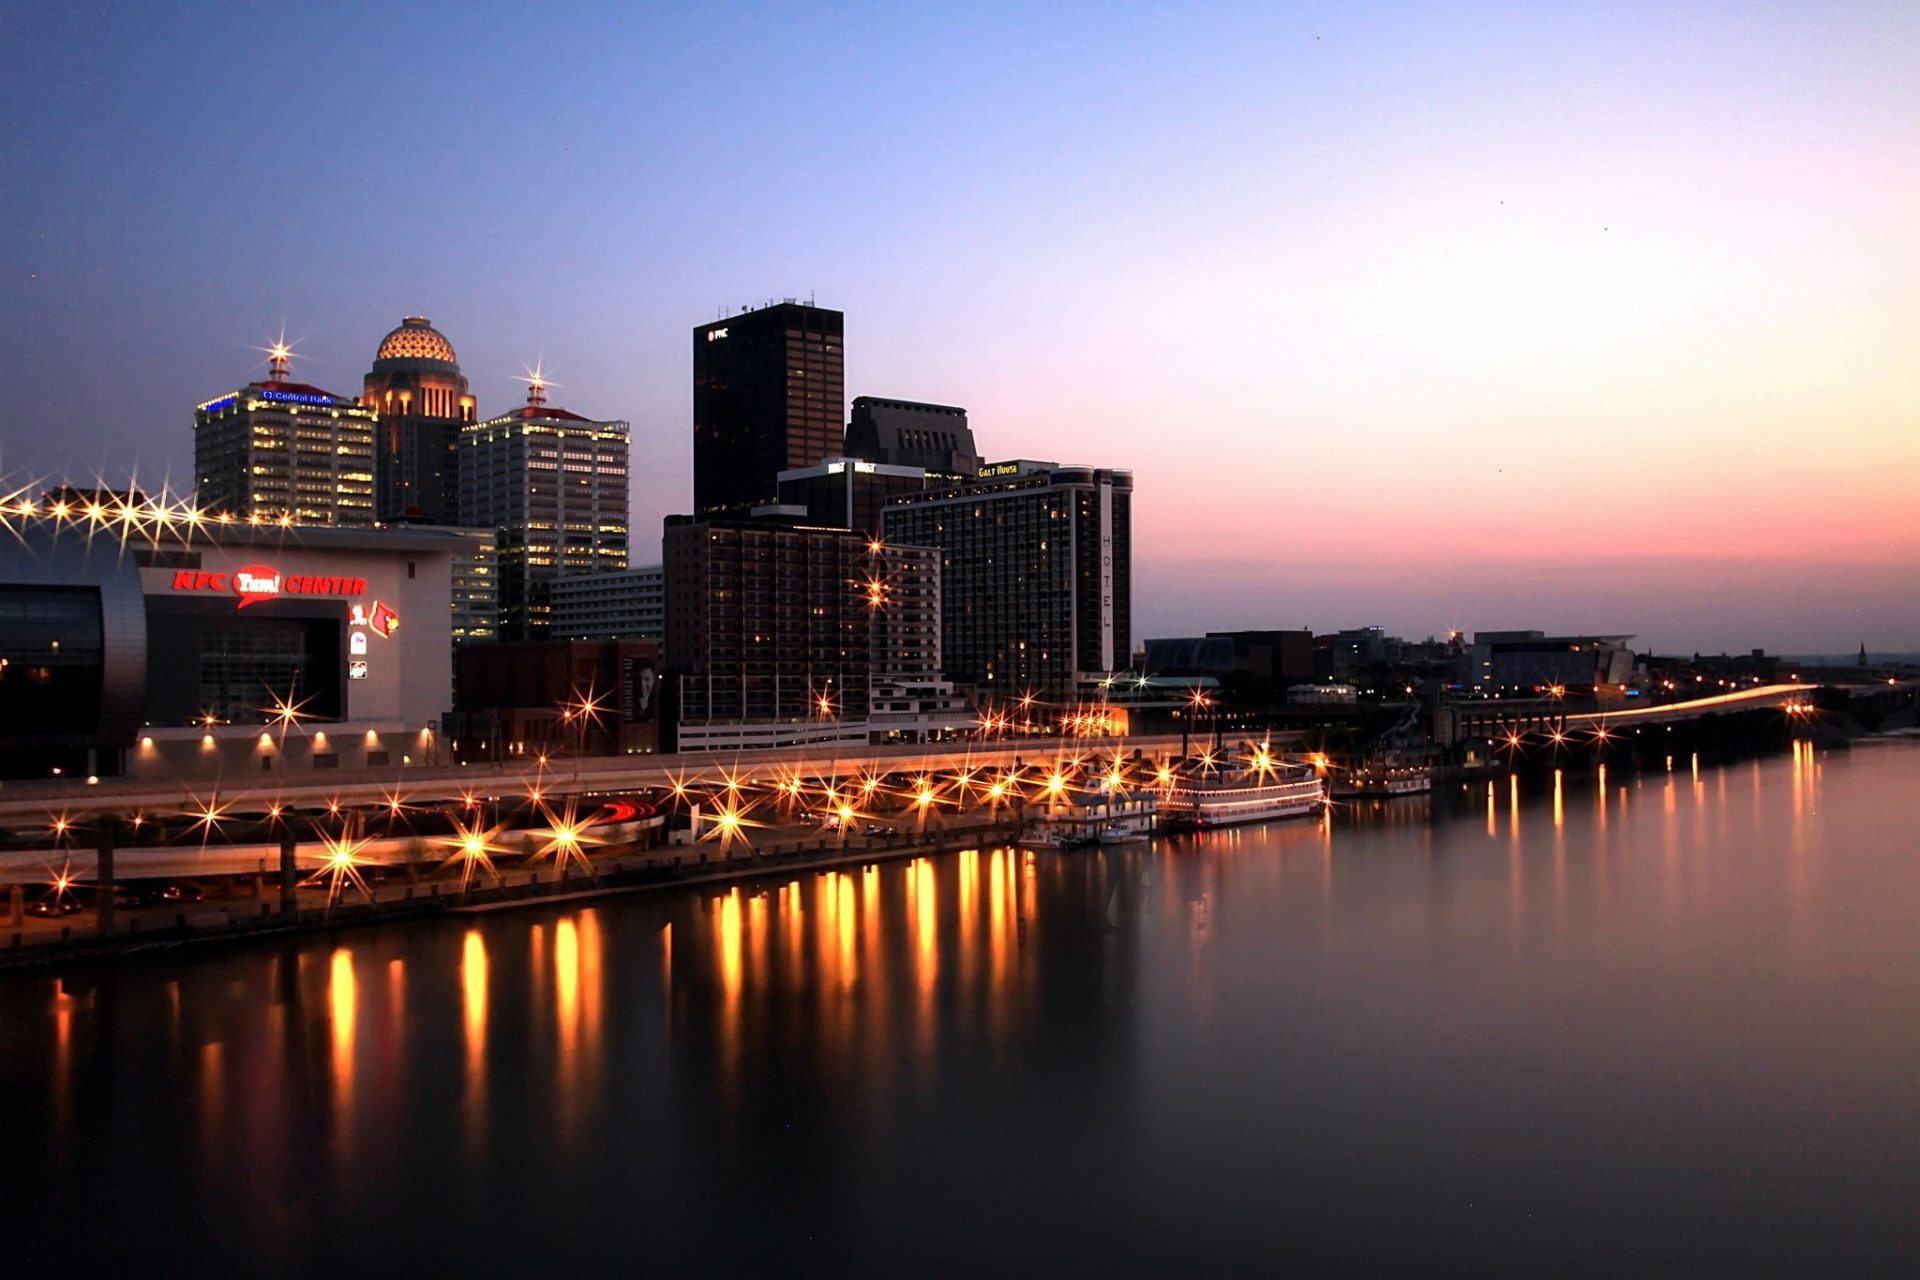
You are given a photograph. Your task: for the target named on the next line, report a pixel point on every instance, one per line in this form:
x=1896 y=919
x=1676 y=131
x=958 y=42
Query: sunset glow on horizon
x=1590 y=318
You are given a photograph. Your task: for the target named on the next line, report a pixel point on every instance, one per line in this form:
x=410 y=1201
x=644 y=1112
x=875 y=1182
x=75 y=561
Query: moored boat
x=1377 y=781
x=1223 y=793
x=1090 y=817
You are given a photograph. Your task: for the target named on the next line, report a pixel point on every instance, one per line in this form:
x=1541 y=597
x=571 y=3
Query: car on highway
x=54 y=906
x=124 y=895
x=181 y=893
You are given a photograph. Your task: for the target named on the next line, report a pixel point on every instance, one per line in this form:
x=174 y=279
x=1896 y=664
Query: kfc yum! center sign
x=254 y=583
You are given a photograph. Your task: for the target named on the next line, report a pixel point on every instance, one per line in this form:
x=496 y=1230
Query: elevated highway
x=36 y=803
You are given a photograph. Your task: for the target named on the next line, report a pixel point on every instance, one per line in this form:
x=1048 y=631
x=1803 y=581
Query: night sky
x=1578 y=316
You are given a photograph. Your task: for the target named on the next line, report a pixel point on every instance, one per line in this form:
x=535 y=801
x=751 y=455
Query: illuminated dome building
x=423 y=401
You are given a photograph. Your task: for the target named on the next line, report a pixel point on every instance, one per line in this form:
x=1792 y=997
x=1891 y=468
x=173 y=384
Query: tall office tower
x=423 y=402
x=848 y=493
x=1036 y=569
x=768 y=394
x=554 y=484
x=905 y=433
x=764 y=621
x=281 y=448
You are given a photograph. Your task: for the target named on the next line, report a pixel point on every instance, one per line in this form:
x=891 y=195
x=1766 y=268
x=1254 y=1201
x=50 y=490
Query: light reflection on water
x=1530 y=1007
x=343 y=1008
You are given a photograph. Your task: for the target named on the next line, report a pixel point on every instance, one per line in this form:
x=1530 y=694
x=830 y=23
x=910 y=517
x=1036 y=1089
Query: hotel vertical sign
x=1106 y=575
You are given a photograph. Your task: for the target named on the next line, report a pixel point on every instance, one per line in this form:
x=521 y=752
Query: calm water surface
x=1662 y=1025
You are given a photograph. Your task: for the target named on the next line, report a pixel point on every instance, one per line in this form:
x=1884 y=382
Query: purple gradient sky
x=1580 y=316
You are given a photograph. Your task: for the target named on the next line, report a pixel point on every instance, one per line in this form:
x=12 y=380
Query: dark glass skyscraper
x=769 y=395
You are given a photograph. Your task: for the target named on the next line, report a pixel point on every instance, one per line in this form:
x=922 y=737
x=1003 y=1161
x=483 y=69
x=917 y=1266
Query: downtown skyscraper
x=769 y=395
x=554 y=486
x=283 y=449
x=424 y=402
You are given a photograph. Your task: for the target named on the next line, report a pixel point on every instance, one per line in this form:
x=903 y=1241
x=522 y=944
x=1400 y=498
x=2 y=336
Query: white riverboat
x=1231 y=791
x=1379 y=781
x=1089 y=817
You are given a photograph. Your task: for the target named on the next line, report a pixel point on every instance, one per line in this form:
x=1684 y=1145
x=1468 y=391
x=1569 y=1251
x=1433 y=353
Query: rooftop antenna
x=537 y=384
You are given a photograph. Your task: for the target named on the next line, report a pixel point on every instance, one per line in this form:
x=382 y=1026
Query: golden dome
x=416 y=339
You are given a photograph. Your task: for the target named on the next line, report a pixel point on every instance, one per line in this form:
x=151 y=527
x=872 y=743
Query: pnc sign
x=257 y=582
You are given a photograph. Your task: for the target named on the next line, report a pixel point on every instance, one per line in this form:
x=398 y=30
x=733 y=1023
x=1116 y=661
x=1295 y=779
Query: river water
x=1655 y=1024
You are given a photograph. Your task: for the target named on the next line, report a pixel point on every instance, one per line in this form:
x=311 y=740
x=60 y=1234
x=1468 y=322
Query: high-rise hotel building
x=554 y=484
x=769 y=392
x=424 y=403
x=280 y=448
x=1036 y=574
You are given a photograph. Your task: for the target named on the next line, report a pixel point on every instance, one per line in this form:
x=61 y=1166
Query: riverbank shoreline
x=627 y=874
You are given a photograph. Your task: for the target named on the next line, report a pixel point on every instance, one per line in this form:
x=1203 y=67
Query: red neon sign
x=255 y=583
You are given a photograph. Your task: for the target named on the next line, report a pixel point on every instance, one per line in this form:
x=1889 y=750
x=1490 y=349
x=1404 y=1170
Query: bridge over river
x=1496 y=720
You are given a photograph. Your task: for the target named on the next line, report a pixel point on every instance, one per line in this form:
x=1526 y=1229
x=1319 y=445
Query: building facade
x=906 y=433
x=626 y=604
x=283 y=449
x=557 y=697
x=910 y=700
x=1517 y=661
x=423 y=402
x=1036 y=575
x=476 y=585
x=905 y=612
x=554 y=486
x=848 y=493
x=773 y=631
x=166 y=658
x=769 y=391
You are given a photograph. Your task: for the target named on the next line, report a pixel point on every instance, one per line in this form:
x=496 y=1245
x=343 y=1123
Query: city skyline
x=1487 y=320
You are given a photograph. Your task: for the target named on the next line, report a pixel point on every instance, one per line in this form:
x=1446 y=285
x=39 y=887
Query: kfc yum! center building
x=230 y=652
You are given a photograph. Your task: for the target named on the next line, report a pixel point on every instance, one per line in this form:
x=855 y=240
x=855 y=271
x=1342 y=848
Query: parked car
x=53 y=906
